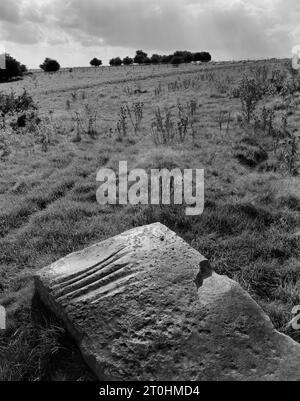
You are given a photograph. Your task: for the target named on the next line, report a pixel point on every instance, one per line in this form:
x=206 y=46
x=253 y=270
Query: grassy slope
x=250 y=228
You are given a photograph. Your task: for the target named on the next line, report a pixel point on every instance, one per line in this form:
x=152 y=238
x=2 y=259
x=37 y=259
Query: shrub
x=188 y=57
x=249 y=93
x=122 y=125
x=95 y=62
x=115 y=62
x=127 y=61
x=140 y=57
x=176 y=60
x=185 y=56
x=23 y=68
x=162 y=128
x=204 y=57
x=288 y=156
x=50 y=65
x=11 y=104
x=155 y=59
x=166 y=59
x=135 y=113
x=13 y=69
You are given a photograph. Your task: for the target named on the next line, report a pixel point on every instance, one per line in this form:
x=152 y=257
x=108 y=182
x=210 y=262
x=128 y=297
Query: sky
x=75 y=31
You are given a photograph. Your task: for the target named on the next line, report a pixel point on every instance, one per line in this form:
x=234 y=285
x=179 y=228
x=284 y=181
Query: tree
x=185 y=56
x=50 y=65
x=127 y=61
x=177 y=59
x=23 y=68
x=197 y=56
x=95 y=62
x=140 y=57
x=115 y=62
x=188 y=56
x=13 y=69
x=156 y=59
x=204 y=57
x=165 y=59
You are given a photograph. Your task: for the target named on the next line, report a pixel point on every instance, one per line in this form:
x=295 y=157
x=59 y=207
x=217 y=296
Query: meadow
x=238 y=121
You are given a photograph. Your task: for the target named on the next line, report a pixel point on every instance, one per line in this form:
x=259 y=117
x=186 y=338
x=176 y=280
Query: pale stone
x=2 y=318
x=144 y=305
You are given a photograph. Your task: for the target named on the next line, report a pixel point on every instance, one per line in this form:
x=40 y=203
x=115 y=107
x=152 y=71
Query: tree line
x=179 y=57
x=14 y=69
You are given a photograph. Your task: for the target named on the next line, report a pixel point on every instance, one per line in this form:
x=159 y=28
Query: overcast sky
x=74 y=31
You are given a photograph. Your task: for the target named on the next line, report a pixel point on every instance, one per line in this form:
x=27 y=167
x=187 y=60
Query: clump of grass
x=159 y=158
x=17 y=213
x=285 y=143
x=85 y=122
x=28 y=353
x=179 y=84
x=128 y=91
x=285 y=146
x=38 y=349
x=265 y=120
x=260 y=75
x=222 y=85
x=182 y=123
x=5 y=146
x=167 y=128
x=249 y=152
x=85 y=192
x=14 y=215
x=224 y=119
x=158 y=90
x=290 y=201
x=288 y=154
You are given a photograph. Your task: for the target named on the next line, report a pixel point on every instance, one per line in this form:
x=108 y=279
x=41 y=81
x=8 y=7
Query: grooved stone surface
x=144 y=305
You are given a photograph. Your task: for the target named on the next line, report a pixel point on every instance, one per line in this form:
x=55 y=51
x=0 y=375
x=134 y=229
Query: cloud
x=21 y=33
x=242 y=33
x=9 y=11
x=131 y=23
x=20 y=21
x=227 y=28
x=236 y=27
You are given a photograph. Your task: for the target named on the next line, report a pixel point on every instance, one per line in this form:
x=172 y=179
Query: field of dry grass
x=250 y=228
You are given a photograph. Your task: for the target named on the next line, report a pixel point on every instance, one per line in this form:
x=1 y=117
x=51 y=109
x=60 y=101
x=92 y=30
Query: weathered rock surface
x=145 y=305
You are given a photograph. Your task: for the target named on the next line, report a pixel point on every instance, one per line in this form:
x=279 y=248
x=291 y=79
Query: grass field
x=250 y=228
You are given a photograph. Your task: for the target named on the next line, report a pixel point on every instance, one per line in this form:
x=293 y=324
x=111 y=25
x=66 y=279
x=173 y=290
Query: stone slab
x=144 y=305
